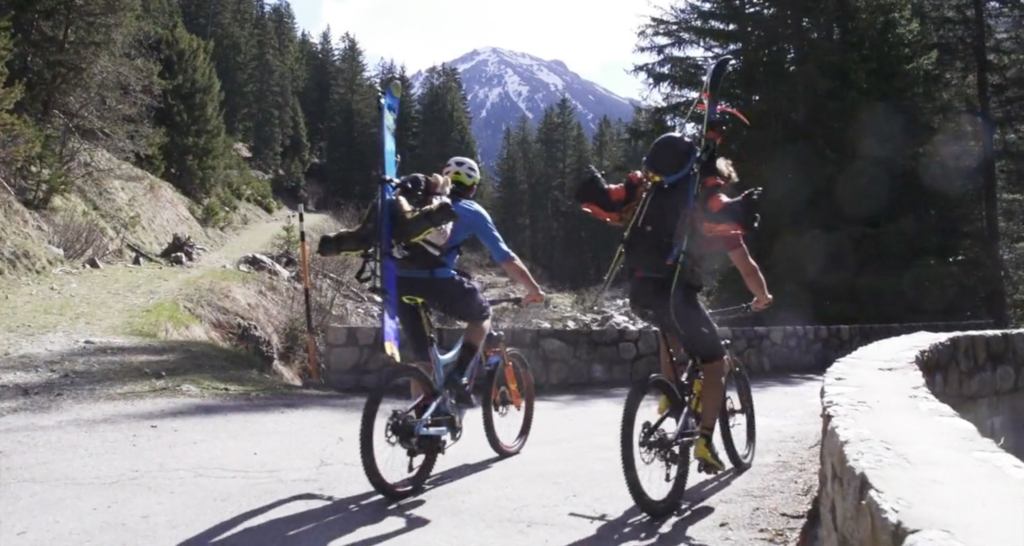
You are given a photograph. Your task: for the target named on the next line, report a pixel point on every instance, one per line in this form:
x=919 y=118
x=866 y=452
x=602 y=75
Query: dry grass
x=79 y=235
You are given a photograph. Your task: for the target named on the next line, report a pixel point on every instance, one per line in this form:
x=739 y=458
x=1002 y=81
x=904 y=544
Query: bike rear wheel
x=739 y=403
x=654 y=447
x=509 y=396
x=398 y=432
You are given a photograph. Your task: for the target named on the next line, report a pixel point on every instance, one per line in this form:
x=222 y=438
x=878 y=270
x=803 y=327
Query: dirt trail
x=70 y=331
x=104 y=302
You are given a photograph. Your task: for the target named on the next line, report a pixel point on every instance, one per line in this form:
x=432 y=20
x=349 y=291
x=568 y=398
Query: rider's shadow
x=328 y=522
x=633 y=525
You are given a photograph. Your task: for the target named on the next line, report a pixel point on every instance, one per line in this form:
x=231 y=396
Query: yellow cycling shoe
x=705 y=452
x=663 y=405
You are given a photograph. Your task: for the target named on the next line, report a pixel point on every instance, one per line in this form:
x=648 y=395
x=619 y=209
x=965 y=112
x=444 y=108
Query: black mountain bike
x=670 y=447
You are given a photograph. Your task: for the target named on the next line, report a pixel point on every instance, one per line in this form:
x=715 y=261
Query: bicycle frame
x=441 y=362
x=689 y=375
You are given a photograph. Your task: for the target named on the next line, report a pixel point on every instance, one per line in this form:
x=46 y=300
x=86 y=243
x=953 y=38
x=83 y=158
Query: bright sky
x=595 y=38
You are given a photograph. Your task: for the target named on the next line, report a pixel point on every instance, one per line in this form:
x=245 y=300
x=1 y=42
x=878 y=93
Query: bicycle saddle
x=494 y=338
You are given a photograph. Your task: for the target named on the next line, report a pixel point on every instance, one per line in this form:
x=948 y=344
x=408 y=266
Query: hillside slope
x=112 y=198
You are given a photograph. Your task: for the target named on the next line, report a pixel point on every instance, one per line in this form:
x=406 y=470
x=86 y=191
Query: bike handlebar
x=732 y=311
x=499 y=301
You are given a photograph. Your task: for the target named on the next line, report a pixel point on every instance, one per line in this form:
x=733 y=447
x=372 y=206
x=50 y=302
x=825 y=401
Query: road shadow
x=633 y=525
x=337 y=518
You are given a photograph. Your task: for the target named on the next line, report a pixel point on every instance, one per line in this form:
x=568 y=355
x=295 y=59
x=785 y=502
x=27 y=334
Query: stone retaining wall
x=575 y=358
x=900 y=466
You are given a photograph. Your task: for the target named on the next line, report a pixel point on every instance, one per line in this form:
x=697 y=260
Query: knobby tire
x=629 y=435
x=741 y=461
x=366 y=437
x=526 y=389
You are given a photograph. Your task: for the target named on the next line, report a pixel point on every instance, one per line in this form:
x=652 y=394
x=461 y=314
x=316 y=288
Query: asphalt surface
x=155 y=472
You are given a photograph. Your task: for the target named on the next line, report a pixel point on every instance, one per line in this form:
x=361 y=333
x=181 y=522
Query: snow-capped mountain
x=501 y=85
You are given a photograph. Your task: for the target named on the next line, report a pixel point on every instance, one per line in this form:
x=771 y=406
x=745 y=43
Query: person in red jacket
x=715 y=223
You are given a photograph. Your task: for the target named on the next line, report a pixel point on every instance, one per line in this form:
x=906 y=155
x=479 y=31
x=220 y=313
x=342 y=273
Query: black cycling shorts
x=456 y=297
x=653 y=300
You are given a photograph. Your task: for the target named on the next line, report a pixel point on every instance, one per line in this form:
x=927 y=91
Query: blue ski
x=389 y=276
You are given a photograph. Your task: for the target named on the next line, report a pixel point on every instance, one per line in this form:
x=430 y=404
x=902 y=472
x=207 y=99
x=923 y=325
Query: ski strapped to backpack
x=712 y=85
x=386 y=261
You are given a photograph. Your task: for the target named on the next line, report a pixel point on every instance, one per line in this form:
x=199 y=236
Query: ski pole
x=314 y=372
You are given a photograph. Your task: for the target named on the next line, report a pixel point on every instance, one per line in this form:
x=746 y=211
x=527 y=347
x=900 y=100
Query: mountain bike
x=671 y=447
x=427 y=417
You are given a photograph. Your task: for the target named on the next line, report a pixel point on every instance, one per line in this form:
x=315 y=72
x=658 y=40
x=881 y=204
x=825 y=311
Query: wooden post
x=314 y=371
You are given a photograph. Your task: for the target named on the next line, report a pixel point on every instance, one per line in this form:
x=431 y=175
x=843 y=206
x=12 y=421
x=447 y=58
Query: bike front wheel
x=737 y=405
x=402 y=411
x=655 y=449
x=511 y=394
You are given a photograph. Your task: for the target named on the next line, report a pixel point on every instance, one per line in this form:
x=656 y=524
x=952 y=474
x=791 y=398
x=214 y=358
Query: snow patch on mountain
x=502 y=85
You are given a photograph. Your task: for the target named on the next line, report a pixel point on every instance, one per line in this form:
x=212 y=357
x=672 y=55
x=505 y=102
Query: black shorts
x=653 y=300
x=456 y=297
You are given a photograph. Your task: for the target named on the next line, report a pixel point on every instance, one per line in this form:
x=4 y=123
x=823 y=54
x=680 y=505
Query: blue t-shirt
x=472 y=221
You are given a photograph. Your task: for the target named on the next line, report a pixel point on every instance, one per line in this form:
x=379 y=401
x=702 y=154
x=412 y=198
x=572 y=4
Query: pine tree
x=280 y=144
x=444 y=120
x=233 y=27
x=20 y=141
x=353 y=152
x=196 y=146
x=320 y=62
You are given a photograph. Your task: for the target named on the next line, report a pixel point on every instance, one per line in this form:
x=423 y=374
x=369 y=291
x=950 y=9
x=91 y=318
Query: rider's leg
x=459 y=298
x=700 y=336
x=412 y=325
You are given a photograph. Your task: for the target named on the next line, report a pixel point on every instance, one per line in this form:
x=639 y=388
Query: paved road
x=189 y=472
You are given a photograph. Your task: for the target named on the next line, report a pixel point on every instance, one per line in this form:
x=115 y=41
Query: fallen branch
x=8 y=188
x=141 y=252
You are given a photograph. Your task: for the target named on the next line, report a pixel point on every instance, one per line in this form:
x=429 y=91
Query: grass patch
x=161 y=317
x=227 y=276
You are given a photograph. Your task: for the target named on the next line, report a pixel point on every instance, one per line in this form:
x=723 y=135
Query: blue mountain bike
x=421 y=417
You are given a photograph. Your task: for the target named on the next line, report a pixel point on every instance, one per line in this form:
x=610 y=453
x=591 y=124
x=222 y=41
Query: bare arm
x=515 y=269
x=751 y=274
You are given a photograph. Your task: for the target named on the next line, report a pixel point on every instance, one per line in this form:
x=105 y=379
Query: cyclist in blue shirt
x=434 y=278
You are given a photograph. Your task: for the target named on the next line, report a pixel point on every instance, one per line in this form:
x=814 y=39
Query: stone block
x=997 y=347
x=776 y=335
x=645 y=366
x=982 y=384
x=344 y=358
x=605 y=335
x=1005 y=378
x=337 y=335
x=964 y=358
x=600 y=373
x=555 y=349
x=980 y=350
x=366 y=336
x=648 y=343
x=558 y=374
x=725 y=333
x=631 y=335
x=627 y=350
x=620 y=373
x=953 y=382
x=607 y=353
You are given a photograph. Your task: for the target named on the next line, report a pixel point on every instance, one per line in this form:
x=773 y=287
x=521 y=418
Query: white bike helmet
x=462 y=170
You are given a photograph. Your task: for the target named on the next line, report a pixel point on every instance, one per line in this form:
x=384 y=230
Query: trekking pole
x=314 y=372
x=620 y=253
